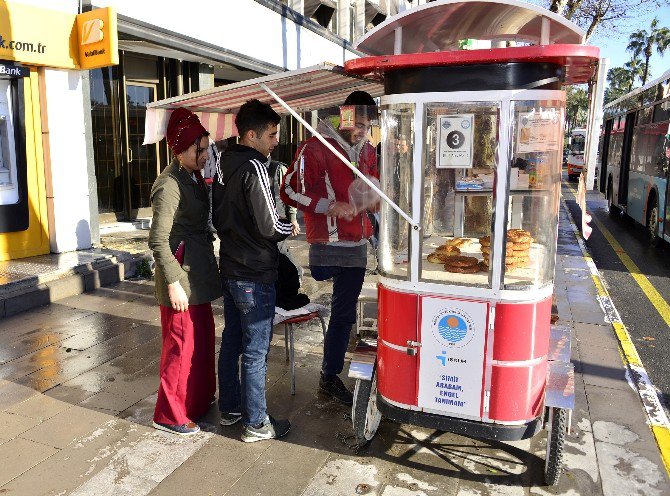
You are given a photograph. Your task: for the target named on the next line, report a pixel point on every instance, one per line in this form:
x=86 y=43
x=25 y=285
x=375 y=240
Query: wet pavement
x=77 y=388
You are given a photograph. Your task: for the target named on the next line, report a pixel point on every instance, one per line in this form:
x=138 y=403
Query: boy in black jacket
x=249 y=227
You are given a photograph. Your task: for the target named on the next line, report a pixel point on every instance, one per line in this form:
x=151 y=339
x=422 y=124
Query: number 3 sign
x=455 y=141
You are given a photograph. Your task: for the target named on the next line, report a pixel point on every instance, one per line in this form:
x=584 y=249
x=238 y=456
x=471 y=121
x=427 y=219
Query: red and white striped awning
x=313 y=88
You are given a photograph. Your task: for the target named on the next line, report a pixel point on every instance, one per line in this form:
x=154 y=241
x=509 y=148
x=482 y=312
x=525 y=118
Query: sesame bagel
x=462 y=270
x=448 y=249
x=436 y=258
x=461 y=261
x=459 y=242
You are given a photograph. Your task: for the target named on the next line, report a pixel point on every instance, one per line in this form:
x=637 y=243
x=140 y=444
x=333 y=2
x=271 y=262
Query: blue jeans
x=347 y=285
x=248 y=310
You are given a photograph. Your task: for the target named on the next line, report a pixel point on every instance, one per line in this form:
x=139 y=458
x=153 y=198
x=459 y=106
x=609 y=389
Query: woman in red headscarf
x=186 y=278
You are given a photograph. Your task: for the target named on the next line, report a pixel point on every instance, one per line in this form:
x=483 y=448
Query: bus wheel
x=652 y=221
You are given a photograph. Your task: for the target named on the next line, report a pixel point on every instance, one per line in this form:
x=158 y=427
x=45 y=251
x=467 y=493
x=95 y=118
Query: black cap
x=360 y=98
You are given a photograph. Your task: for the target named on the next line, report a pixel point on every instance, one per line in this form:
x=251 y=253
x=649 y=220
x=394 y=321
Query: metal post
x=544 y=31
x=595 y=120
x=397 y=41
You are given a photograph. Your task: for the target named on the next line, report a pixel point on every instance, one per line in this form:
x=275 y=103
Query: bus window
x=578 y=143
x=662 y=111
x=644 y=116
x=659 y=142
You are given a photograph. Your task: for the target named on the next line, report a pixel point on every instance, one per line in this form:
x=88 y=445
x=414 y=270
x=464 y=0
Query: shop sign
x=539 y=131
x=453 y=333
x=98 y=38
x=455 y=139
x=9 y=69
x=51 y=38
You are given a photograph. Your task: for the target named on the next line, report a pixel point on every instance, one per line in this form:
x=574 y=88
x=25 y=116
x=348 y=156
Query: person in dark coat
x=186 y=279
x=248 y=225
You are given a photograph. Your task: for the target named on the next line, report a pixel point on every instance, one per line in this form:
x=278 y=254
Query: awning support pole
x=344 y=160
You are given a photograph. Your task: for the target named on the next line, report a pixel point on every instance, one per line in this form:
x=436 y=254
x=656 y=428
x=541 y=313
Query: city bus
x=634 y=156
x=576 y=153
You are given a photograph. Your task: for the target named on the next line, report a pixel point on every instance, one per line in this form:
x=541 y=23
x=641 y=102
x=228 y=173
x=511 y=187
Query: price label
x=455 y=139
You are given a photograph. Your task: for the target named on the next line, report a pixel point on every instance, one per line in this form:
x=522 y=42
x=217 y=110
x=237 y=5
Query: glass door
x=143 y=161
x=107 y=143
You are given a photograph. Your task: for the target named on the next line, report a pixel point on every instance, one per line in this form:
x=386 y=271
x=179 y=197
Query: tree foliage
x=643 y=42
x=601 y=15
x=576 y=107
x=619 y=82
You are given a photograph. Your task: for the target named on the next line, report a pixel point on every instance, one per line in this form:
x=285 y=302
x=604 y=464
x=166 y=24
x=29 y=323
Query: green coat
x=180 y=212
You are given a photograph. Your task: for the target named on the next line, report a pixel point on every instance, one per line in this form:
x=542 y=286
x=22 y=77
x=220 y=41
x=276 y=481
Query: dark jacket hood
x=235 y=156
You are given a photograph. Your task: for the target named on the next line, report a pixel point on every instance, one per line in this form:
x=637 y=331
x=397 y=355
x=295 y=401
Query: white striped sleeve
x=278 y=225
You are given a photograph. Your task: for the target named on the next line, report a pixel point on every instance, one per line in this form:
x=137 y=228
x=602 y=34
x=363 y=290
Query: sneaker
x=270 y=429
x=333 y=386
x=230 y=418
x=182 y=430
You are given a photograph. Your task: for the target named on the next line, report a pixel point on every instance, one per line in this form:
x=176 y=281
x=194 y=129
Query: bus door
x=605 y=144
x=625 y=158
x=666 y=170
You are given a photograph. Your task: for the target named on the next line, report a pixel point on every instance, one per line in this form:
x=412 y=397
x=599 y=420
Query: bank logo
x=453 y=327
x=91 y=31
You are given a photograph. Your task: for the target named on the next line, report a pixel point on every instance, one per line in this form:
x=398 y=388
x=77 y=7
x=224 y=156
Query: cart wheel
x=553 y=464
x=364 y=412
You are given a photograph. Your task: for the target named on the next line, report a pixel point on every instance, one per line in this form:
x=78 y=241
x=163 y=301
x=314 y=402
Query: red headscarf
x=183 y=129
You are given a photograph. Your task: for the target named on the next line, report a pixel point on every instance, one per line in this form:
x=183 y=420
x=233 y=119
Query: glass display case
x=396 y=180
x=457 y=180
x=459 y=172
x=534 y=184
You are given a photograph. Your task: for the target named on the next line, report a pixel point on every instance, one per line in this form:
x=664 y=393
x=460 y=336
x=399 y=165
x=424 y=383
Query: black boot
x=333 y=386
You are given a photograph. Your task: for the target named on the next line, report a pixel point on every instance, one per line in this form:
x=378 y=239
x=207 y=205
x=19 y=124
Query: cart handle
x=344 y=160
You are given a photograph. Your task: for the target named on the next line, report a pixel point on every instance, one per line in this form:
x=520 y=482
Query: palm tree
x=635 y=70
x=619 y=81
x=641 y=42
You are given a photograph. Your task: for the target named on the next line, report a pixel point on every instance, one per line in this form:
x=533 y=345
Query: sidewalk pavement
x=77 y=387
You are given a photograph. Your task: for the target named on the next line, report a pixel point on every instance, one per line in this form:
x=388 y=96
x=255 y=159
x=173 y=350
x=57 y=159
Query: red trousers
x=188 y=380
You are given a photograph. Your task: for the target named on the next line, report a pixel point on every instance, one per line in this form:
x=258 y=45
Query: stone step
x=21 y=294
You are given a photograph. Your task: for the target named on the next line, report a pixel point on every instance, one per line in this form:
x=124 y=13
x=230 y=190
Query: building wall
x=248 y=28
x=70 y=210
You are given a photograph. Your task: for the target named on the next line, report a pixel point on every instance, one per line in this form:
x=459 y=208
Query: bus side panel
x=640 y=187
x=638 y=192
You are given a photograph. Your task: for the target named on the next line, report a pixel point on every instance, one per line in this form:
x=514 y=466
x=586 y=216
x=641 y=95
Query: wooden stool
x=288 y=339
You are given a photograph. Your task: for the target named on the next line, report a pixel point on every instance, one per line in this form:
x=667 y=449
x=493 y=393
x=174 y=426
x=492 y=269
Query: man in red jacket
x=318 y=184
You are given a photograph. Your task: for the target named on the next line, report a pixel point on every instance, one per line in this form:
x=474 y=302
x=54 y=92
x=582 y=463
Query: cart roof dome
x=439 y=26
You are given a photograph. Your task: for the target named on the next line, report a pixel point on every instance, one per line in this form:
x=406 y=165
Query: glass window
x=659 y=146
x=530 y=248
x=644 y=116
x=9 y=187
x=578 y=143
x=106 y=142
x=396 y=181
x=459 y=173
x=662 y=111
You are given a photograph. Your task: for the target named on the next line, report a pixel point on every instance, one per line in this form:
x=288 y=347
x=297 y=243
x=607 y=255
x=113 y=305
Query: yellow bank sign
x=36 y=36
